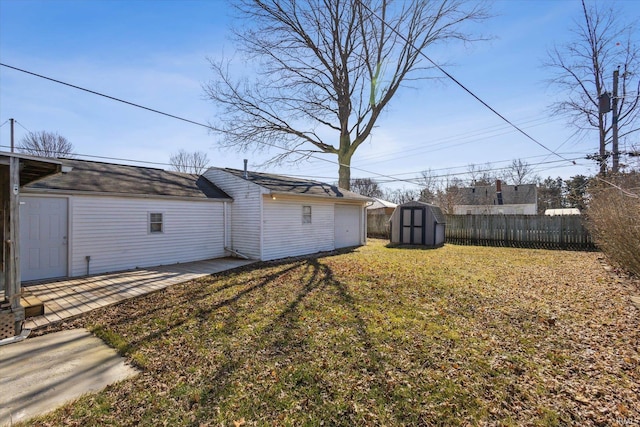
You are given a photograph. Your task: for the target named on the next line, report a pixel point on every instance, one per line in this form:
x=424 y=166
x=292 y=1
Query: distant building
x=563 y=211
x=380 y=207
x=498 y=199
x=378 y=215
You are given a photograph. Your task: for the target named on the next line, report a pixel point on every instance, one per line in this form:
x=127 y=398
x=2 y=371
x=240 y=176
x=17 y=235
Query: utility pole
x=604 y=106
x=11 y=122
x=614 y=122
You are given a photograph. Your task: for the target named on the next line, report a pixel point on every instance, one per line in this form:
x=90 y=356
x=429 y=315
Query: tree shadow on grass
x=189 y=297
x=281 y=335
x=282 y=339
x=186 y=293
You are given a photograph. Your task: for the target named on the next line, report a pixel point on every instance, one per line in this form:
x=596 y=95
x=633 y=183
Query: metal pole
x=614 y=122
x=11 y=122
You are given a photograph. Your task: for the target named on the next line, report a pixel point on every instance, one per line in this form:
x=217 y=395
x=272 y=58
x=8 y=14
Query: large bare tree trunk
x=344 y=174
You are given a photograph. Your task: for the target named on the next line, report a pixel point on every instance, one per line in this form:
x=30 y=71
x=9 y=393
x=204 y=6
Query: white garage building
x=275 y=216
x=100 y=217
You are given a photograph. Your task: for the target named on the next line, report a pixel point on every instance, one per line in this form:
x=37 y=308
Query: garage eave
x=32 y=168
x=359 y=201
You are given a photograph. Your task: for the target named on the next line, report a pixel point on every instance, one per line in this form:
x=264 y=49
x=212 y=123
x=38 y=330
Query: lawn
x=378 y=336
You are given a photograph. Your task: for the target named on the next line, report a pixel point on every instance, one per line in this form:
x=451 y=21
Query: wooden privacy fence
x=535 y=231
x=378 y=226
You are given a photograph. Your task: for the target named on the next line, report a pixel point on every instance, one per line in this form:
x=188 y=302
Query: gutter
x=319 y=196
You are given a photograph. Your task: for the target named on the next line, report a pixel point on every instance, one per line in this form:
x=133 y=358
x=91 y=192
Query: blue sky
x=154 y=53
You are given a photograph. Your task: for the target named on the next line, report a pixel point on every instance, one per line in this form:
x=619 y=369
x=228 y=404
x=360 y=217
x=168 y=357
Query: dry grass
x=453 y=336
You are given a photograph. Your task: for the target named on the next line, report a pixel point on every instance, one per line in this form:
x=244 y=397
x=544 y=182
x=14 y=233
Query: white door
x=348 y=229
x=43 y=237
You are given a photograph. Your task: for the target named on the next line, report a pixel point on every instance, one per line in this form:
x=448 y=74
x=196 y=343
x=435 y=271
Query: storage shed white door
x=43 y=237
x=347 y=225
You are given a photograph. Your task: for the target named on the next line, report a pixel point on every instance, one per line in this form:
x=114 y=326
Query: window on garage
x=306 y=214
x=156 y=222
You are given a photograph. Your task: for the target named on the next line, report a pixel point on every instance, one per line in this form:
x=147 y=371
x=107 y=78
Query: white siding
x=245 y=211
x=114 y=232
x=348 y=225
x=284 y=233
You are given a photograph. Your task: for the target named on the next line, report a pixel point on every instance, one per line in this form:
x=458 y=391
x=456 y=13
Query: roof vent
x=246 y=175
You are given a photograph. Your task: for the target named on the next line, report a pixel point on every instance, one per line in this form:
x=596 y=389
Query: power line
x=290 y=151
x=305 y=153
x=456 y=81
x=543 y=161
x=389 y=178
x=443 y=144
x=418 y=179
x=106 y=96
x=20 y=124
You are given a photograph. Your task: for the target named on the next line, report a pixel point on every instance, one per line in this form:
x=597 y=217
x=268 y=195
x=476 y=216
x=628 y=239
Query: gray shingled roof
x=435 y=210
x=483 y=195
x=296 y=186
x=97 y=177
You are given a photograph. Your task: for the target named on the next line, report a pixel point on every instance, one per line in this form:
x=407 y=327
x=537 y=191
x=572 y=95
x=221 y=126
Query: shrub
x=613 y=218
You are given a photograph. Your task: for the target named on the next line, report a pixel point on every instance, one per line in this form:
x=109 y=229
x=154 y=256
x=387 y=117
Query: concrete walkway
x=38 y=375
x=69 y=298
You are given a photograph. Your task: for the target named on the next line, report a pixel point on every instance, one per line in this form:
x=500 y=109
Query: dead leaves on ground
x=454 y=336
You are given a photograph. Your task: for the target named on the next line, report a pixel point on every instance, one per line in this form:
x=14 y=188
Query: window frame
x=307 y=216
x=151 y=222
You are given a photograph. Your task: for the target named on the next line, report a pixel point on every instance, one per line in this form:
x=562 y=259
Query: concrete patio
x=68 y=298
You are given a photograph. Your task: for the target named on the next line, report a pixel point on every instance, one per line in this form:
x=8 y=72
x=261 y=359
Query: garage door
x=43 y=237
x=347 y=225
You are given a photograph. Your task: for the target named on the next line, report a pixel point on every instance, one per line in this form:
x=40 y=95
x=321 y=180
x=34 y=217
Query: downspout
x=364 y=214
x=224 y=225
x=261 y=200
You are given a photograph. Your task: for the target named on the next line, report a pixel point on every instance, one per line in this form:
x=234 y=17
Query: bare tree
x=327 y=70
x=450 y=196
x=550 y=194
x=190 y=162
x=519 y=173
x=46 y=144
x=584 y=70
x=481 y=174
x=366 y=187
x=402 y=195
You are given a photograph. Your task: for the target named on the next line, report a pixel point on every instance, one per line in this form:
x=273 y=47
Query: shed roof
x=483 y=195
x=98 y=177
x=435 y=210
x=281 y=184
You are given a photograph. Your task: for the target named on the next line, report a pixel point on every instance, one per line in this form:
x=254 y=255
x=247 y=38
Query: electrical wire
x=457 y=82
x=445 y=142
x=20 y=124
x=290 y=151
x=106 y=96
